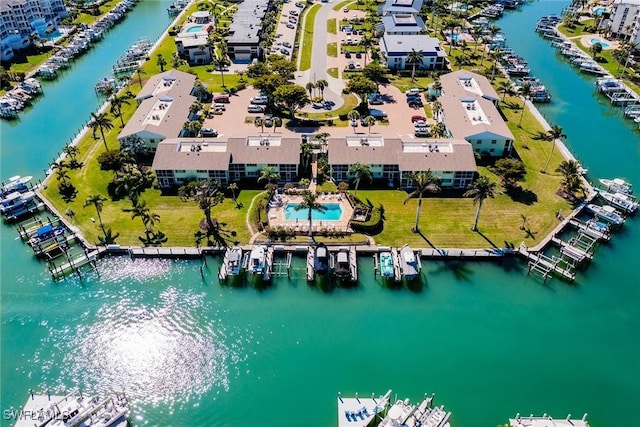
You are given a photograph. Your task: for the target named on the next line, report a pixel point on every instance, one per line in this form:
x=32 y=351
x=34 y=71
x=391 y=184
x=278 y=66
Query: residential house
x=403 y=24
x=402 y=7
x=179 y=160
x=21 y=18
x=397 y=47
x=163 y=108
x=395 y=160
x=243 y=41
x=470 y=112
x=194 y=47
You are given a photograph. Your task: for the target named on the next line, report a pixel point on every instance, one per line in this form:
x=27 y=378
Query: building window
x=492 y=150
x=201 y=171
x=493 y=141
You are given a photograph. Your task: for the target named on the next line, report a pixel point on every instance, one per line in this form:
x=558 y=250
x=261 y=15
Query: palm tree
x=270 y=173
x=480 y=190
x=495 y=55
x=360 y=171
x=71 y=151
x=139 y=71
x=596 y=48
x=241 y=74
x=259 y=121
x=221 y=63
x=200 y=91
x=414 y=57
x=552 y=134
x=116 y=106
x=140 y=209
x=309 y=202
x=161 y=62
x=570 y=170
x=97 y=201
x=277 y=122
x=233 y=187
x=62 y=175
x=505 y=87
x=439 y=130
x=310 y=86
x=476 y=33
x=525 y=91
x=353 y=117
x=425 y=181
x=101 y=122
x=369 y=121
x=176 y=61
x=367 y=43
x=321 y=85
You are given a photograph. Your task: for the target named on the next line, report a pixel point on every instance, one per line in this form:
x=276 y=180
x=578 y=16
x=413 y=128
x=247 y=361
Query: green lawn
x=307 y=40
x=332 y=26
x=350 y=102
x=342 y=4
x=332 y=49
x=333 y=72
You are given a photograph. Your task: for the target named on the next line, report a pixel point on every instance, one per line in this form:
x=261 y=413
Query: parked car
x=418 y=118
x=260 y=100
x=293 y=19
x=222 y=98
x=358 y=66
x=300 y=5
x=253 y=108
x=345 y=9
x=286 y=44
x=291 y=26
x=293 y=12
x=375 y=100
x=421 y=131
x=208 y=132
x=223 y=68
x=413 y=92
x=347 y=54
x=377 y=114
x=420 y=123
x=219 y=106
x=284 y=51
x=358 y=55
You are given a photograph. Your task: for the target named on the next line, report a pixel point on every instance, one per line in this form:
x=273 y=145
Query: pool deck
x=276 y=213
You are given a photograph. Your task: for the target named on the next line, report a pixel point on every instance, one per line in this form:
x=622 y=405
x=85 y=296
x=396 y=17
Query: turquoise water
x=332 y=213
x=604 y=44
x=599 y=10
x=194 y=29
x=489 y=340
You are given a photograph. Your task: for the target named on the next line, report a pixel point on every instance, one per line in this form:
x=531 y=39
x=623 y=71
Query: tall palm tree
x=525 y=91
x=366 y=42
x=277 y=122
x=101 y=122
x=269 y=174
x=505 y=87
x=221 y=63
x=233 y=187
x=97 y=201
x=552 y=135
x=116 y=106
x=161 y=62
x=425 y=181
x=570 y=170
x=71 y=151
x=310 y=87
x=495 y=55
x=414 y=57
x=62 y=175
x=353 y=117
x=369 y=121
x=139 y=71
x=321 y=85
x=259 y=121
x=480 y=190
x=140 y=209
x=360 y=171
x=309 y=202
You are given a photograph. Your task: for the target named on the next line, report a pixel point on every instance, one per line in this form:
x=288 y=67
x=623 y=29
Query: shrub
x=373 y=225
x=111 y=160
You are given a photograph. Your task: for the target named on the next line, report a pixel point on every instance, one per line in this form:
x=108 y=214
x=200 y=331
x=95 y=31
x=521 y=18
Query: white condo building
x=625 y=19
x=21 y=18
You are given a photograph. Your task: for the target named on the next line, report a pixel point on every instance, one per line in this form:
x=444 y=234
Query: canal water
x=486 y=338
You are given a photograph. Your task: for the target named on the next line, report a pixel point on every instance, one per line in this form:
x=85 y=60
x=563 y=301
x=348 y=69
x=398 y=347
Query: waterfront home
x=245 y=33
x=392 y=7
x=163 y=108
x=395 y=160
x=625 y=20
x=470 y=112
x=403 y=24
x=194 y=47
x=397 y=47
x=21 y=18
x=179 y=160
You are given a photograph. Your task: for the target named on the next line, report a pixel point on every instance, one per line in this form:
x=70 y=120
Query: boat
x=606 y=212
x=527 y=79
x=624 y=202
x=342 y=268
x=539 y=93
x=387 y=269
x=15 y=183
x=257 y=260
x=15 y=201
x=592 y=68
x=517 y=70
x=618 y=185
x=409 y=263
x=46 y=233
x=361 y=411
x=600 y=227
x=321 y=259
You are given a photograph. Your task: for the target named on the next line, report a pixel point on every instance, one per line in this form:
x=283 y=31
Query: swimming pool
x=599 y=10
x=333 y=212
x=194 y=29
x=604 y=44
x=455 y=37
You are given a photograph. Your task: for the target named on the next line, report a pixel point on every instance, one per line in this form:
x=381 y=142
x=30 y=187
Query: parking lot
x=286 y=29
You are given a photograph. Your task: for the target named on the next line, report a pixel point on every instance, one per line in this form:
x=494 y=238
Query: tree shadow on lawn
x=487 y=239
x=522 y=195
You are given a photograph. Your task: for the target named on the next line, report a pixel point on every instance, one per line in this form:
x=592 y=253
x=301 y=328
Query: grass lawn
x=307 y=41
x=332 y=49
x=342 y=4
x=332 y=26
x=350 y=102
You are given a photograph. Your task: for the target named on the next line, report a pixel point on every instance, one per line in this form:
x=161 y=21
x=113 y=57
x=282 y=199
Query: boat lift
x=397 y=274
x=279 y=267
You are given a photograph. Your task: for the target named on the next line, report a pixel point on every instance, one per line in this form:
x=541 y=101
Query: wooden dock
x=74 y=264
x=586 y=230
x=546 y=266
x=172 y=252
x=266 y=275
x=311 y=251
x=353 y=263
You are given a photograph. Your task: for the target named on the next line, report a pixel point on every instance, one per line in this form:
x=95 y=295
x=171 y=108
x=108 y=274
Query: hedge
x=373 y=225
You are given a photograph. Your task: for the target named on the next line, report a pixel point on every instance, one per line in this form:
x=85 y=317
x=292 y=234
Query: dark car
x=347 y=54
x=300 y=5
x=358 y=55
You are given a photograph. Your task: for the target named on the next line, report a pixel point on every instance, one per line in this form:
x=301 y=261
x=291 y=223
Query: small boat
x=592 y=68
x=527 y=79
x=321 y=259
x=517 y=70
x=621 y=201
x=342 y=268
x=16 y=200
x=600 y=227
x=15 y=183
x=409 y=263
x=232 y=264
x=618 y=185
x=387 y=269
x=46 y=233
x=257 y=259
x=606 y=212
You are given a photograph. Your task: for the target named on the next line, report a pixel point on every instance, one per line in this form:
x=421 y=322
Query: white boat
x=409 y=263
x=386 y=265
x=257 y=260
x=600 y=227
x=15 y=183
x=618 y=185
x=592 y=68
x=606 y=212
x=16 y=200
x=621 y=201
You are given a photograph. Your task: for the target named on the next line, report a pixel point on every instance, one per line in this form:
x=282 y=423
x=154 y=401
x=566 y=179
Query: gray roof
x=170 y=155
x=409 y=155
x=401 y=45
x=181 y=83
x=402 y=6
x=402 y=23
x=247 y=22
x=287 y=153
x=461 y=87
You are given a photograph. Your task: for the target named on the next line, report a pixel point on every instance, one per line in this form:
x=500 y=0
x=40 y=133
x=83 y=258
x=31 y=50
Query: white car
x=253 y=108
x=413 y=92
x=260 y=100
